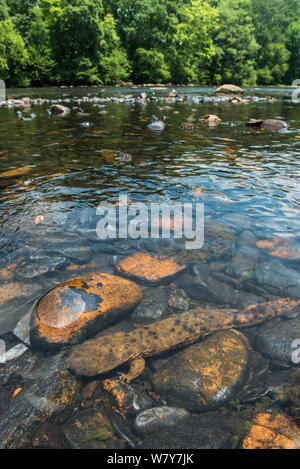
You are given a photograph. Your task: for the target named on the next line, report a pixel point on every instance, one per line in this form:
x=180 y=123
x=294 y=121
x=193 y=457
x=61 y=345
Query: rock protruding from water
x=157 y=125
x=205 y=375
x=148 y=268
x=230 y=90
x=74 y=309
x=210 y=119
x=272 y=431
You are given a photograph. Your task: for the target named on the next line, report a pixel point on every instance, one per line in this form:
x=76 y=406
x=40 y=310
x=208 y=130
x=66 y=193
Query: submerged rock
x=156 y=417
x=276 y=339
x=210 y=430
x=271 y=124
x=148 y=268
x=91 y=429
x=48 y=436
x=272 y=431
x=59 y=109
x=152 y=307
x=274 y=124
x=124 y=397
x=210 y=119
x=78 y=307
x=219 y=241
x=207 y=289
x=207 y=374
x=280 y=248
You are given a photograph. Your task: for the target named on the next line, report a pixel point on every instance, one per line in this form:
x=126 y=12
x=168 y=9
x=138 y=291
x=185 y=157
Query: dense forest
x=106 y=42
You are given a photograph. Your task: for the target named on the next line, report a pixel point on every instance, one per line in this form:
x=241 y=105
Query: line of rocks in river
x=131 y=99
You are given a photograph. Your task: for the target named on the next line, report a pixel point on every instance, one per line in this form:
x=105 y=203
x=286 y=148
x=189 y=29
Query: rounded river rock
x=71 y=311
x=207 y=374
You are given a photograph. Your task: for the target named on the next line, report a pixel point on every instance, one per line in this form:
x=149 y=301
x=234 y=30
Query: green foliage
x=236 y=46
x=181 y=41
x=272 y=20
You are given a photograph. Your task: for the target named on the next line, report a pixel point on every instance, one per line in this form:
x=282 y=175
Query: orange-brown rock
x=105 y=353
x=148 y=268
x=76 y=308
x=272 y=431
x=281 y=248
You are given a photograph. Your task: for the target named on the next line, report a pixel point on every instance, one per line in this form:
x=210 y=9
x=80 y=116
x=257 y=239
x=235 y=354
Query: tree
x=272 y=19
x=13 y=55
x=4 y=12
x=194 y=42
x=85 y=44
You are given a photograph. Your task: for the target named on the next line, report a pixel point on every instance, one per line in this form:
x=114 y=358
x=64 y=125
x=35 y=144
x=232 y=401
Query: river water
x=55 y=171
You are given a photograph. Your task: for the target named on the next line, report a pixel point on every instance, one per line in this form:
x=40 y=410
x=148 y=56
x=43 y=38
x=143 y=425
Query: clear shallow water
x=247 y=179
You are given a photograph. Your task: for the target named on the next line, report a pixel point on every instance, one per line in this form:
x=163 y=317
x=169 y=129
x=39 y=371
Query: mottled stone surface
x=78 y=307
x=272 y=431
x=148 y=268
x=207 y=374
x=278 y=279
